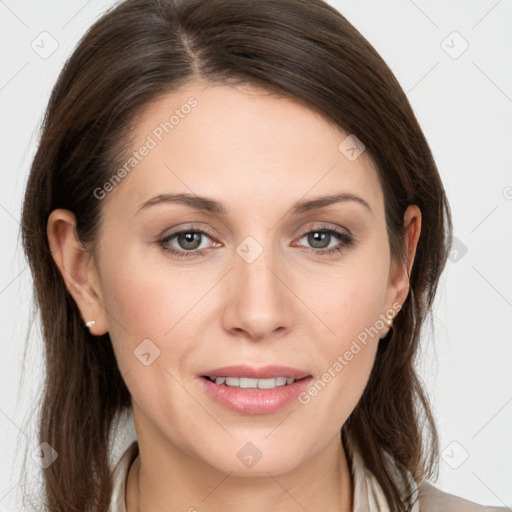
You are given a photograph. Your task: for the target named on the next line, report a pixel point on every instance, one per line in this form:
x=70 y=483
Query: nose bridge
x=255 y=266
x=259 y=303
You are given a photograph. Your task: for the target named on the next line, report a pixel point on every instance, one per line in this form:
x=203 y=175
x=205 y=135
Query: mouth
x=250 y=377
x=254 y=391
x=250 y=383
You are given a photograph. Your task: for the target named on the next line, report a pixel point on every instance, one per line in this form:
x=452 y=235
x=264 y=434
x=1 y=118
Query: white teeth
x=246 y=382
x=267 y=383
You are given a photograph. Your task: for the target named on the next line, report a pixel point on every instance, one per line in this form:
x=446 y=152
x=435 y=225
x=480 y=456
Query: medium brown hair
x=300 y=49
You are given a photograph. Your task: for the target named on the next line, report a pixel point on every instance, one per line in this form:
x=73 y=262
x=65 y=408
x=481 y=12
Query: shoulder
x=432 y=499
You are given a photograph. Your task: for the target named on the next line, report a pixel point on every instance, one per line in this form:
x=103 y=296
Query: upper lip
x=252 y=372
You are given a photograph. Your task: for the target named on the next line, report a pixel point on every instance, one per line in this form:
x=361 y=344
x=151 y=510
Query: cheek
x=349 y=300
x=149 y=302
x=347 y=366
x=148 y=317
x=351 y=304
x=143 y=304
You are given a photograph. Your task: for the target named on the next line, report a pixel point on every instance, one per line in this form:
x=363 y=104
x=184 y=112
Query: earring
x=90 y=323
x=389 y=324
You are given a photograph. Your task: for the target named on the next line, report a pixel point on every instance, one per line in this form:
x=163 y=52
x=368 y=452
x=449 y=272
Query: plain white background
x=453 y=60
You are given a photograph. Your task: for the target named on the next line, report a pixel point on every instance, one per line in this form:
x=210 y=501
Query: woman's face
x=258 y=290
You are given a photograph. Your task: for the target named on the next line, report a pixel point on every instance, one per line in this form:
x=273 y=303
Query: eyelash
x=345 y=239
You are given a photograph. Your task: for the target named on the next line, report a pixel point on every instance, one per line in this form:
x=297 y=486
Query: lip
x=255 y=401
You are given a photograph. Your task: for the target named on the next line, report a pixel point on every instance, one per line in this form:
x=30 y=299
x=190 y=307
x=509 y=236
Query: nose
x=258 y=302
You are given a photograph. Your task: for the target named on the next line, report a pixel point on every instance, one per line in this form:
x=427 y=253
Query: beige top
x=368 y=495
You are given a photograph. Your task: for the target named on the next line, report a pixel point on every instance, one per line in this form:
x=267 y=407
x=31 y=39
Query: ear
x=77 y=268
x=398 y=283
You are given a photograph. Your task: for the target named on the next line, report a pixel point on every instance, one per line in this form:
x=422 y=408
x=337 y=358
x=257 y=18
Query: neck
x=322 y=483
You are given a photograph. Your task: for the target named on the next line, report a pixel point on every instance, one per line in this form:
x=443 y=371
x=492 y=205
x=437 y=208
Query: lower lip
x=255 y=401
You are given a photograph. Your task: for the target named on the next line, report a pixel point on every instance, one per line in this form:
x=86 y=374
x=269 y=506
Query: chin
x=248 y=460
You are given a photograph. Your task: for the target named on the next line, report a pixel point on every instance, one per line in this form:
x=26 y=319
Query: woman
x=236 y=230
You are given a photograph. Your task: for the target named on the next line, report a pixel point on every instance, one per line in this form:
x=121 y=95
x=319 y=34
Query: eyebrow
x=217 y=208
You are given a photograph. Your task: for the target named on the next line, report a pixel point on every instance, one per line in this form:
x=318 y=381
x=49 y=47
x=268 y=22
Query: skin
x=257 y=154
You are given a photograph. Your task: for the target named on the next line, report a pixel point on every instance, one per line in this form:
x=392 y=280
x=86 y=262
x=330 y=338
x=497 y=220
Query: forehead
x=239 y=144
